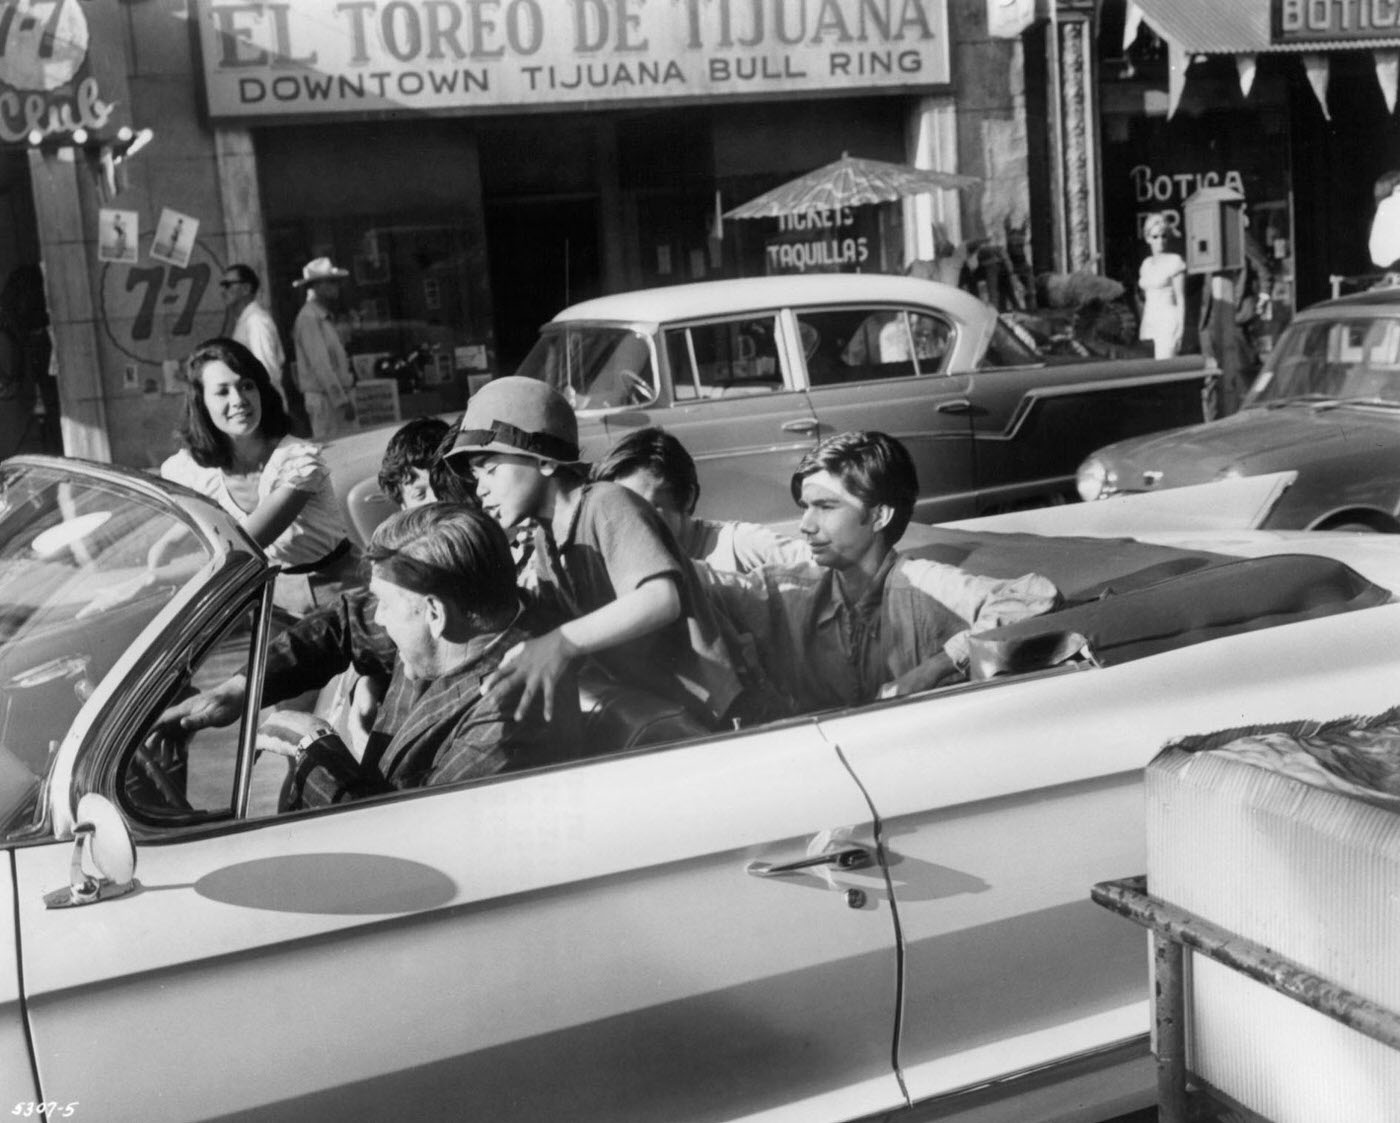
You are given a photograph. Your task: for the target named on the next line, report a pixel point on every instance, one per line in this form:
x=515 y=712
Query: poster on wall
x=376 y=402
x=118 y=233
x=175 y=237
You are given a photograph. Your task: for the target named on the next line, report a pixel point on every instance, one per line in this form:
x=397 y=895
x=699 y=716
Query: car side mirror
x=102 y=842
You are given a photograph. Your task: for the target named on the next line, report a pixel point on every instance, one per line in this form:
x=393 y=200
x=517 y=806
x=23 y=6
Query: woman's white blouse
x=315 y=532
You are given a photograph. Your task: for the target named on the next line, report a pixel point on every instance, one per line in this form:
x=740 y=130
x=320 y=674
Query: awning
x=1244 y=28
x=1232 y=27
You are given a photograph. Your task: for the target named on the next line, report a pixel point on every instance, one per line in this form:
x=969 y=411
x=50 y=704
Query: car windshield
x=594 y=366
x=1326 y=360
x=74 y=593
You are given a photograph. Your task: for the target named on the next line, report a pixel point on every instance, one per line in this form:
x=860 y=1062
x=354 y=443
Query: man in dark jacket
x=444 y=610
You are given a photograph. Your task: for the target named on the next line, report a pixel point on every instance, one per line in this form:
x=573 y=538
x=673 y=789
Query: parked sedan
x=751 y=373
x=1326 y=404
x=814 y=920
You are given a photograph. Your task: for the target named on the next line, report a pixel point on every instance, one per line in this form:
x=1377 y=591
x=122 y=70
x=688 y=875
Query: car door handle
x=801 y=425
x=848 y=858
x=955 y=405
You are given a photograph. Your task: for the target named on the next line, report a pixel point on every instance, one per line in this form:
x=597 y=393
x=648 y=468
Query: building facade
x=1289 y=103
x=474 y=166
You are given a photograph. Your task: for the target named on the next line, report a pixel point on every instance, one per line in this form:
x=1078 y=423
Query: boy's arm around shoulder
x=532 y=668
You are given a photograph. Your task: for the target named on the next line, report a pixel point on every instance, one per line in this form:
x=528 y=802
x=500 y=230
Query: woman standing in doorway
x=1162 y=283
x=239 y=452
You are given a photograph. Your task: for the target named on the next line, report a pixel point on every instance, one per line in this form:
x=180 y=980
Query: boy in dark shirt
x=603 y=563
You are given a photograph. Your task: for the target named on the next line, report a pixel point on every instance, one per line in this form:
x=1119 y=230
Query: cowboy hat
x=319 y=269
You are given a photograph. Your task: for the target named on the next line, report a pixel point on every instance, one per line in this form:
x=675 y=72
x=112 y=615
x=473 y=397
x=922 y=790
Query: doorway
x=544 y=255
x=29 y=408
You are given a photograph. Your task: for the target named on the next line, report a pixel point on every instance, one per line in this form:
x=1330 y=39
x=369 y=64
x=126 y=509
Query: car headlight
x=1095 y=480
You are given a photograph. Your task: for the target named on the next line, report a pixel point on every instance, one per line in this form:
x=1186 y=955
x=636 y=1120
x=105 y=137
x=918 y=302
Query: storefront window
x=398 y=208
x=405 y=310
x=1153 y=161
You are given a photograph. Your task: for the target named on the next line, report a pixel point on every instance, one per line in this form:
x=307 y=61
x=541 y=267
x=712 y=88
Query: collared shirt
x=322 y=364
x=821 y=650
x=614 y=543
x=257 y=332
x=427 y=732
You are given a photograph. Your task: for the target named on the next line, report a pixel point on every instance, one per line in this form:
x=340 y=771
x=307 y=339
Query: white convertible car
x=874 y=913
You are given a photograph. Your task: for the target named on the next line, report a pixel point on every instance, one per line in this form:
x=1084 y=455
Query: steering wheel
x=638 y=389
x=156 y=760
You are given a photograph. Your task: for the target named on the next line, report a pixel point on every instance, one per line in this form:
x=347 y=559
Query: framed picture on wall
x=175 y=237
x=117 y=235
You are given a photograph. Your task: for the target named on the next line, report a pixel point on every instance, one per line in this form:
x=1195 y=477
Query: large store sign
x=305 y=57
x=1312 y=21
x=57 y=73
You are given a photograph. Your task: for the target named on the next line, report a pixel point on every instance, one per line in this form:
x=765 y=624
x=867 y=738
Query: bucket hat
x=319 y=269
x=521 y=416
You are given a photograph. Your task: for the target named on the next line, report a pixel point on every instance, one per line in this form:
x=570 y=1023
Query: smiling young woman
x=238 y=451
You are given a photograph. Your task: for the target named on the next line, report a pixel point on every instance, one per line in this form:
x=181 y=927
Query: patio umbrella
x=848 y=182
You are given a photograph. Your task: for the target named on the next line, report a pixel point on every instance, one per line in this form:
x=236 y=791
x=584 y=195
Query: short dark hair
x=415 y=445
x=448 y=483
x=658 y=450
x=454 y=552
x=874 y=467
x=210 y=447
x=245 y=274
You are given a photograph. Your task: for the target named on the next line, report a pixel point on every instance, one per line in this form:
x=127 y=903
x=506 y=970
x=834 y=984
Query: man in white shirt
x=323 y=367
x=253 y=325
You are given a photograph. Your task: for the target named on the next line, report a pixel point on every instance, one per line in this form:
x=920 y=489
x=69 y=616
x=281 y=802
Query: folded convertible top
x=1156 y=609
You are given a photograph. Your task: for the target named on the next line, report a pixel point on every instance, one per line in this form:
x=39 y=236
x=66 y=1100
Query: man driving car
x=444 y=610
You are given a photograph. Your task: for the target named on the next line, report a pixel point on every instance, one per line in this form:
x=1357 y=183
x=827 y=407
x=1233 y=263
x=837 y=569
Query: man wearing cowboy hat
x=323 y=367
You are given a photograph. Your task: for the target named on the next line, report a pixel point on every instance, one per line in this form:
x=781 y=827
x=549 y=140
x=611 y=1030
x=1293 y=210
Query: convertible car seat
x=368 y=506
x=618 y=717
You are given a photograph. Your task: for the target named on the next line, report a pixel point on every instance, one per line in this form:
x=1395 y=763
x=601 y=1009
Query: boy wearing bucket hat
x=323 y=367
x=603 y=562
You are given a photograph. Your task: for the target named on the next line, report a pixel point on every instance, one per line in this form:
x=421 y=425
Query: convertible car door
x=1001 y=804
x=591 y=942
x=18 y=1086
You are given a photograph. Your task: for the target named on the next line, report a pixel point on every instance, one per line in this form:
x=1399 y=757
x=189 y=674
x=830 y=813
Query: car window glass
x=1352 y=358
x=724 y=359
x=75 y=592
x=172 y=778
x=595 y=367
x=844 y=345
x=1008 y=349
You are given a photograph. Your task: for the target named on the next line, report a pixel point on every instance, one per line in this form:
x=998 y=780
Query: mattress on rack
x=1289 y=837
